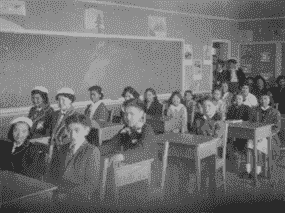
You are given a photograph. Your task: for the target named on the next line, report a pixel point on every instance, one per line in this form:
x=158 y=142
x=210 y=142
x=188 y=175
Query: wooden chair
x=125 y=174
x=110 y=117
x=221 y=160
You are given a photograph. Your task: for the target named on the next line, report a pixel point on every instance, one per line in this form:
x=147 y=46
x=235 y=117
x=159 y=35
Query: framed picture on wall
x=188 y=54
x=157 y=27
x=197 y=67
x=207 y=54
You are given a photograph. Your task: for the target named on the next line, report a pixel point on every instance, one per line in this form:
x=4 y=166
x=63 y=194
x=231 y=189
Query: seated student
x=250 y=99
x=40 y=113
x=97 y=110
x=177 y=113
x=227 y=97
x=219 y=103
x=260 y=87
x=267 y=115
x=279 y=93
x=18 y=154
x=136 y=135
x=208 y=124
x=128 y=94
x=190 y=105
x=153 y=109
x=65 y=98
x=151 y=103
x=78 y=162
x=238 y=111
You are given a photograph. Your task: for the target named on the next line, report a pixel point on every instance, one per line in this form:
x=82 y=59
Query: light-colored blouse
x=178 y=118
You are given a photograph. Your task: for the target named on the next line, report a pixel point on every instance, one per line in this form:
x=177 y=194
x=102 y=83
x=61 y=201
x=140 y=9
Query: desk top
x=248 y=125
x=17 y=186
x=109 y=124
x=185 y=139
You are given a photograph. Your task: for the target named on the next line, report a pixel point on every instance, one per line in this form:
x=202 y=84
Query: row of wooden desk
x=22 y=190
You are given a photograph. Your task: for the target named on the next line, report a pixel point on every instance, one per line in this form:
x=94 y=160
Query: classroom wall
x=67 y=16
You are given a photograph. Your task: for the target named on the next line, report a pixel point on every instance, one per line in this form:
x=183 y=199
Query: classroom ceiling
x=232 y=9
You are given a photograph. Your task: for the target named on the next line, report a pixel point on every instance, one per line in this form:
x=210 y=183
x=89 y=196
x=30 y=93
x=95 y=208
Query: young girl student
x=219 y=103
x=266 y=115
x=40 y=113
x=190 y=105
x=18 y=154
x=97 y=110
x=177 y=113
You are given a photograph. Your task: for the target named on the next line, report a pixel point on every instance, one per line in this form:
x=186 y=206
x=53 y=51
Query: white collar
x=179 y=107
x=264 y=109
x=225 y=95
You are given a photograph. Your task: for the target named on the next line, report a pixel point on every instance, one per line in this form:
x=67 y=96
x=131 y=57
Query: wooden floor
x=181 y=194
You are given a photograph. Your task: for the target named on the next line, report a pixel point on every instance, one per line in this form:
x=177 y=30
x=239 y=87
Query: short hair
x=239 y=94
x=208 y=99
x=173 y=94
x=98 y=89
x=280 y=77
x=78 y=119
x=233 y=61
x=130 y=90
x=269 y=94
x=188 y=91
x=11 y=130
x=246 y=84
x=135 y=103
x=221 y=62
x=69 y=96
x=152 y=91
x=260 y=77
x=43 y=95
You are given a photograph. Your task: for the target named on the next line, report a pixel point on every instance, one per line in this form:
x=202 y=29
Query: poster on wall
x=197 y=70
x=188 y=53
x=157 y=27
x=207 y=54
x=265 y=57
x=94 y=20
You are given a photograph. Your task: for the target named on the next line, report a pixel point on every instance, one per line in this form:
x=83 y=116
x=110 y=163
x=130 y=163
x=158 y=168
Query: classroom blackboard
x=79 y=60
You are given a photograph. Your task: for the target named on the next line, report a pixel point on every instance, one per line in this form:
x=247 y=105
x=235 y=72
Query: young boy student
x=207 y=124
x=77 y=163
x=136 y=137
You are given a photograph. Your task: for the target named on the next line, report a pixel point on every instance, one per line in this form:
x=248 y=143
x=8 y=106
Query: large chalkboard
x=79 y=61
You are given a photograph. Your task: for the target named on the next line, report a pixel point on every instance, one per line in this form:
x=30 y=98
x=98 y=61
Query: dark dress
x=41 y=121
x=207 y=127
x=21 y=161
x=233 y=86
x=154 y=114
x=242 y=112
x=278 y=96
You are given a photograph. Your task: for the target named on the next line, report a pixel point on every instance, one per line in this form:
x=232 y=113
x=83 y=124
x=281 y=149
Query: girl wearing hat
x=97 y=110
x=65 y=98
x=15 y=152
x=40 y=113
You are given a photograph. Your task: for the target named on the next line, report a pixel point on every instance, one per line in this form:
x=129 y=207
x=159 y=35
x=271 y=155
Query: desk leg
x=254 y=167
x=270 y=159
x=198 y=171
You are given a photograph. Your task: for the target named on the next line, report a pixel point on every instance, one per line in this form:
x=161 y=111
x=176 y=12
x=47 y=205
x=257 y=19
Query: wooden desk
x=193 y=147
x=21 y=192
x=108 y=130
x=253 y=131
